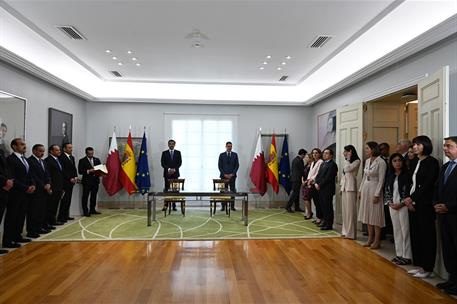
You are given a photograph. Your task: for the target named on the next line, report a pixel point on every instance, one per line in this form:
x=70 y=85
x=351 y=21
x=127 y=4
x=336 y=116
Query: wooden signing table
x=196 y=196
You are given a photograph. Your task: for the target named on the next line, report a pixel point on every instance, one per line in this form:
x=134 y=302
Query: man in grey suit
x=228 y=166
x=297 y=171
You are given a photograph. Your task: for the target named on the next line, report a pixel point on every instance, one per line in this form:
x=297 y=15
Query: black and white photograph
x=60 y=127
x=12 y=121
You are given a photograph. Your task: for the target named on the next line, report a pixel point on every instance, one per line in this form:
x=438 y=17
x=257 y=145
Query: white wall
x=102 y=117
x=427 y=61
x=40 y=96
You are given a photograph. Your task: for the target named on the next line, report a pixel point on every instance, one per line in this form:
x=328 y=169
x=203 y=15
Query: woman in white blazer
x=349 y=192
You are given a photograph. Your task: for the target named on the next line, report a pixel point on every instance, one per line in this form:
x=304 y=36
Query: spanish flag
x=128 y=172
x=272 y=166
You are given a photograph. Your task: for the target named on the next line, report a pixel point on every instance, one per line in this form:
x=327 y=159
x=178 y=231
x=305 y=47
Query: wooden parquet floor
x=231 y=271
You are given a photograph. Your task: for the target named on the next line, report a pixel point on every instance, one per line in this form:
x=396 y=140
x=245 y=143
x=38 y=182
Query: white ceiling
x=241 y=34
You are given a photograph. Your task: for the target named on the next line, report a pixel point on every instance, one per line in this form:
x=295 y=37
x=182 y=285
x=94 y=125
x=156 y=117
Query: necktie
x=449 y=169
x=229 y=155
x=58 y=163
x=42 y=165
x=171 y=154
x=91 y=160
x=26 y=164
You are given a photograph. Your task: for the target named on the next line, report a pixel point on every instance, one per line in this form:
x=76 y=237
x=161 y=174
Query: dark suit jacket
x=297 y=170
x=39 y=175
x=68 y=168
x=228 y=165
x=83 y=166
x=4 y=176
x=447 y=193
x=426 y=178
x=55 y=173
x=326 y=177
x=167 y=162
x=22 y=178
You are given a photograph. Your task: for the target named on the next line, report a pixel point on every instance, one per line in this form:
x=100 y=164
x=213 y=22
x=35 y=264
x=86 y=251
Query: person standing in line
x=36 y=213
x=89 y=181
x=305 y=188
x=228 y=166
x=396 y=189
x=55 y=171
x=314 y=169
x=20 y=195
x=325 y=184
x=421 y=211
x=371 y=210
x=6 y=183
x=445 y=204
x=171 y=161
x=70 y=174
x=402 y=147
x=296 y=175
x=349 y=192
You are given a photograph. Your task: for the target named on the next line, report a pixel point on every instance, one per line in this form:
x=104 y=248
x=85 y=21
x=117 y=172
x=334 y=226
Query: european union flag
x=142 y=179
x=284 y=167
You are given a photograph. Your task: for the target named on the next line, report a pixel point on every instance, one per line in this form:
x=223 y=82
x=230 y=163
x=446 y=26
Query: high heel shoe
x=309 y=217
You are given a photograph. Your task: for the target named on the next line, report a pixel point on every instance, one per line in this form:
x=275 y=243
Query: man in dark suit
x=297 y=171
x=36 y=213
x=6 y=183
x=56 y=175
x=325 y=184
x=70 y=178
x=170 y=161
x=90 y=181
x=445 y=203
x=19 y=195
x=228 y=166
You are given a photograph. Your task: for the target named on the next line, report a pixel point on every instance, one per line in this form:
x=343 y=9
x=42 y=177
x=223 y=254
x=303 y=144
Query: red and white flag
x=257 y=174
x=113 y=164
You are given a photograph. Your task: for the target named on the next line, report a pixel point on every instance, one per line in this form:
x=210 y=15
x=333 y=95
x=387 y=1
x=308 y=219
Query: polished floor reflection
x=232 y=271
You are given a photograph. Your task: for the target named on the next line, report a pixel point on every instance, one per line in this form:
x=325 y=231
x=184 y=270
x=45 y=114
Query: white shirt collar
x=18 y=155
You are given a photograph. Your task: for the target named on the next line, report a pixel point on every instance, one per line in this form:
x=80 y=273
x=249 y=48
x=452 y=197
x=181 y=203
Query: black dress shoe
x=326 y=228
x=11 y=245
x=70 y=218
x=33 y=235
x=96 y=212
x=3 y=251
x=289 y=210
x=86 y=214
x=23 y=240
x=451 y=290
x=444 y=285
x=58 y=223
x=50 y=227
x=174 y=209
x=233 y=209
x=223 y=209
x=43 y=231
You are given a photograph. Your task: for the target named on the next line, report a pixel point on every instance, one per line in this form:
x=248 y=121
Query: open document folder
x=100 y=170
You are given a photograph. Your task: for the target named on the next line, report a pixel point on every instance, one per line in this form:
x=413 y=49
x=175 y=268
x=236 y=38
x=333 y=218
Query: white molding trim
x=432 y=36
x=397 y=87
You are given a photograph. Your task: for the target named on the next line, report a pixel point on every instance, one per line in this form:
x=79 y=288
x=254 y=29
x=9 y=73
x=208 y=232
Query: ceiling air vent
x=71 y=32
x=320 y=41
x=116 y=73
x=283 y=78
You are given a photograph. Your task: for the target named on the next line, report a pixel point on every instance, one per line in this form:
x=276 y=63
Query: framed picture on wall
x=326 y=130
x=121 y=141
x=60 y=130
x=12 y=120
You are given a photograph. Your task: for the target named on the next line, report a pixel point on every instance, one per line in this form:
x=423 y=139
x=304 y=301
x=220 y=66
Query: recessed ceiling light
x=197 y=45
x=138 y=64
x=119 y=63
x=114 y=58
x=288 y=57
x=279 y=68
x=134 y=58
x=269 y=57
x=129 y=52
x=283 y=63
x=262 y=68
x=264 y=62
x=108 y=51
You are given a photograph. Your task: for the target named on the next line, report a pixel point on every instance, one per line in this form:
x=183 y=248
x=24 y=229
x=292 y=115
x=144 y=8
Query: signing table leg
x=149 y=211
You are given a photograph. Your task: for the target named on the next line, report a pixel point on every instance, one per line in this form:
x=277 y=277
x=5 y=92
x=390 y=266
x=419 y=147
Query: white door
x=349 y=131
x=433 y=105
x=433 y=118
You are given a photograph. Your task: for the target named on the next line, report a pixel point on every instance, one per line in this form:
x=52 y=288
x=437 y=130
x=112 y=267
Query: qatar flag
x=113 y=164
x=258 y=169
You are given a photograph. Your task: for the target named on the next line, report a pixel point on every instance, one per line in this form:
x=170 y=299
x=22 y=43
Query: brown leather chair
x=222 y=186
x=176 y=185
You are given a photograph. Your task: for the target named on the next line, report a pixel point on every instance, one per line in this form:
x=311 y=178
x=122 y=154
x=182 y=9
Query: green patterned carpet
x=128 y=224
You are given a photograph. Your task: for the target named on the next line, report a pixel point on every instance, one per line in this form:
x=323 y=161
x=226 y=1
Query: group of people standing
x=38 y=191
x=406 y=189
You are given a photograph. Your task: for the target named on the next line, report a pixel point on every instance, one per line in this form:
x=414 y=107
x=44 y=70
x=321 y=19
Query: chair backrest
x=176 y=184
x=220 y=184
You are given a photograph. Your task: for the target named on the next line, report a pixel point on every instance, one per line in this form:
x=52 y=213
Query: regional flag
x=272 y=166
x=143 y=181
x=258 y=169
x=113 y=163
x=128 y=172
x=284 y=167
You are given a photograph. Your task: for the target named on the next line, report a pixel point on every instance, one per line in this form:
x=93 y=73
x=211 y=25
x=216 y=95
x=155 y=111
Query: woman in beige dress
x=371 y=210
x=349 y=192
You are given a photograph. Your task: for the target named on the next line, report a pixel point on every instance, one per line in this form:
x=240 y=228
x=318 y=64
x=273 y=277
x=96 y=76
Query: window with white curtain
x=200 y=138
